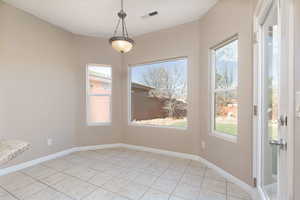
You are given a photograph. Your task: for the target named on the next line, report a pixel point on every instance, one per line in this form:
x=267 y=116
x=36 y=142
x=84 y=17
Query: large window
x=99 y=82
x=224 y=89
x=159 y=94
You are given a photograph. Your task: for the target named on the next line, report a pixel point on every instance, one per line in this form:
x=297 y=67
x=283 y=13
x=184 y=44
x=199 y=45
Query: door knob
x=280 y=143
x=283 y=120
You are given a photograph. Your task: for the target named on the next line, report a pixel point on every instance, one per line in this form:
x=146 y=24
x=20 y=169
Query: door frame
x=287 y=23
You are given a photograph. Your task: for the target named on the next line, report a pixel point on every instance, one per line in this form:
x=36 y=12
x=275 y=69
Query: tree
x=169 y=84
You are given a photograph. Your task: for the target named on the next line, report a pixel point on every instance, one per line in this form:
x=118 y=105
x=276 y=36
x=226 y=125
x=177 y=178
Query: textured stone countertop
x=9 y=149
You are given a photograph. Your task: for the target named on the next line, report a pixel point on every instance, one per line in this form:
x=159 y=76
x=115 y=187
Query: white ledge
x=10 y=149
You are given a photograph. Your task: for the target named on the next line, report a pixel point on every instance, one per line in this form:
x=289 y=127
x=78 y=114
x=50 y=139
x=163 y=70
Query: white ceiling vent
x=151 y=14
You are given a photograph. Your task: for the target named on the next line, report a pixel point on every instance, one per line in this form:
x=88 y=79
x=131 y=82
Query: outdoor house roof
x=100 y=77
x=141 y=86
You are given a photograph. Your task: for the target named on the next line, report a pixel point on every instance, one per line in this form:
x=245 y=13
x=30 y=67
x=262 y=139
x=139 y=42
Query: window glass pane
x=226 y=62
x=98 y=94
x=159 y=94
x=99 y=80
x=99 y=109
x=226 y=112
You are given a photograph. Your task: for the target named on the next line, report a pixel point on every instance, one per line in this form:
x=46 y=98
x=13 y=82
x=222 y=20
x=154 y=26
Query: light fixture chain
x=116 y=30
x=126 y=32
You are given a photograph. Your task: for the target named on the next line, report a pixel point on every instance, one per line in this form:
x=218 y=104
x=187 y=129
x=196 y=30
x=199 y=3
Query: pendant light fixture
x=123 y=43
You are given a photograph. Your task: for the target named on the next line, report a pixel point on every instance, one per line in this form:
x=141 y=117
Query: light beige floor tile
x=212 y=174
x=214 y=186
x=76 y=160
x=124 y=174
x=74 y=188
x=29 y=190
x=115 y=171
x=101 y=166
x=187 y=192
x=7 y=197
x=100 y=179
x=81 y=172
x=47 y=194
x=128 y=174
x=208 y=195
x=152 y=170
x=165 y=185
x=198 y=171
x=175 y=198
x=197 y=164
x=114 y=185
x=39 y=171
x=101 y=194
x=193 y=180
x=155 y=195
x=51 y=180
x=2 y=192
x=133 y=191
x=172 y=175
x=236 y=191
x=14 y=181
x=178 y=167
x=145 y=179
x=58 y=164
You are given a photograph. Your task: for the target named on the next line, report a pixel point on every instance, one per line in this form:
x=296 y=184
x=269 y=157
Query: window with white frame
x=158 y=94
x=98 y=97
x=224 y=89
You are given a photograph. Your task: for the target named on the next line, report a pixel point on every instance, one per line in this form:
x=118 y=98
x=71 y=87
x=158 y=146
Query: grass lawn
x=230 y=129
x=182 y=124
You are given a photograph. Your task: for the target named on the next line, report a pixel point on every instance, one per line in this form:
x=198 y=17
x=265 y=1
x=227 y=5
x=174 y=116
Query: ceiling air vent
x=151 y=14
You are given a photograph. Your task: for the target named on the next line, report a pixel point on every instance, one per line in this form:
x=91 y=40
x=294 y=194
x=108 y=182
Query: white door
x=273 y=102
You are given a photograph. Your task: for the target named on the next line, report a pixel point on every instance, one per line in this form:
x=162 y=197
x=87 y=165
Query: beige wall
x=297 y=88
x=170 y=43
x=38 y=84
x=215 y=27
x=98 y=51
x=42 y=87
x=194 y=40
x=31 y=48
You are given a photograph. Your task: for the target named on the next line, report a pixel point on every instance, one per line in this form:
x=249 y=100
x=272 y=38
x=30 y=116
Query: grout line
x=149 y=161
x=10 y=193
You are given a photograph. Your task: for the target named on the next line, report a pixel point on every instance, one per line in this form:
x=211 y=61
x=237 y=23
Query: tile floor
x=118 y=174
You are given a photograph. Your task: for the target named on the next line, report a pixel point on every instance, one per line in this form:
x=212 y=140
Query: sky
x=138 y=70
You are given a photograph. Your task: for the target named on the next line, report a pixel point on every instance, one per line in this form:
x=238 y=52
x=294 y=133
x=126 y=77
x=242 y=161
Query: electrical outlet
x=203 y=144
x=49 y=142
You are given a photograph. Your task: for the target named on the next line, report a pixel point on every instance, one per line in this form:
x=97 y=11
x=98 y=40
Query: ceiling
x=99 y=17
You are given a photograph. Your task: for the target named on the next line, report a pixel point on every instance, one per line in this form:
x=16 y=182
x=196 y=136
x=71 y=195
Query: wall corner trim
x=251 y=190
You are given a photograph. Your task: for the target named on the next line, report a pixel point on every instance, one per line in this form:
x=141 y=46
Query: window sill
x=99 y=124
x=224 y=136
x=156 y=126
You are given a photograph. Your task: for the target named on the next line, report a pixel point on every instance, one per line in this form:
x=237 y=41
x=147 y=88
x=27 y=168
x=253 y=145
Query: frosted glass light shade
x=121 y=44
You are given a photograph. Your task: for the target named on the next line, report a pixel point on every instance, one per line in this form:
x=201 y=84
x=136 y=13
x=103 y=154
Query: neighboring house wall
x=100 y=105
x=145 y=107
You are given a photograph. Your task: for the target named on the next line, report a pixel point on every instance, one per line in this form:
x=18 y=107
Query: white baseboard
x=222 y=172
x=35 y=162
x=160 y=151
x=101 y=146
x=251 y=190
